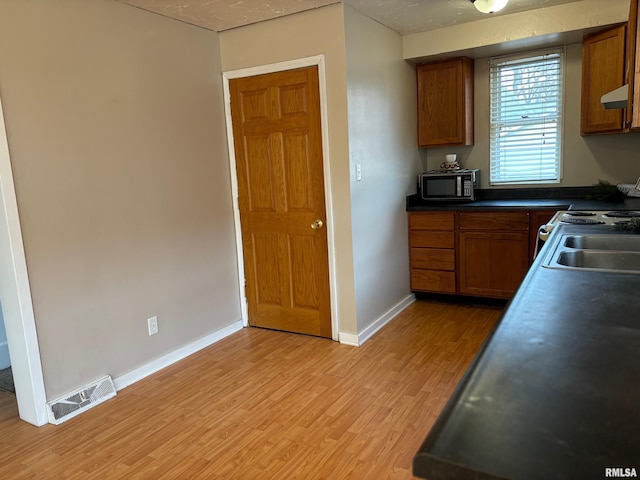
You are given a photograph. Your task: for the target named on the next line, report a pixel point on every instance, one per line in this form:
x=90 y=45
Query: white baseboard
x=150 y=368
x=348 y=339
x=367 y=333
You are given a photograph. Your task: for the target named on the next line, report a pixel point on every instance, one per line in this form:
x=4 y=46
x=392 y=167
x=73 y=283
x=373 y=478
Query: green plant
x=604 y=190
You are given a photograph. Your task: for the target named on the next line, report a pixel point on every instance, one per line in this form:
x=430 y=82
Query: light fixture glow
x=489 y=6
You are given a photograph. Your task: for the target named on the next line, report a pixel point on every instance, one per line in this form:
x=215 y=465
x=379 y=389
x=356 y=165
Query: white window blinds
x=526 y=118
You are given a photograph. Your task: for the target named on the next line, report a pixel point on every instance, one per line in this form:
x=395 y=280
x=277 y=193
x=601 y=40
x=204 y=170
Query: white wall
x=614 y=158
x=381 y=97
x=115 y=125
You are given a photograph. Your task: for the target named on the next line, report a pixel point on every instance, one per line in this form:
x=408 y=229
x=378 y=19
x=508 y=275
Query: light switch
x=358 y=172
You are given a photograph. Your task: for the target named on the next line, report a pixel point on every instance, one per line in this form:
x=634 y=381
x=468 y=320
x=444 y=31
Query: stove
x=606 y=218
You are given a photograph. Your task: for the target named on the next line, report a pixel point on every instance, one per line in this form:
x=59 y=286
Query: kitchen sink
x=597 y=252
x=604 y=242
x=605 y=260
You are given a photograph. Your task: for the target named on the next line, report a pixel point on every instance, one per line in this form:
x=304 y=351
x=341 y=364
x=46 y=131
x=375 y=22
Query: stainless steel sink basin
x=604 y=242
x=605 y=260
x=596 y=252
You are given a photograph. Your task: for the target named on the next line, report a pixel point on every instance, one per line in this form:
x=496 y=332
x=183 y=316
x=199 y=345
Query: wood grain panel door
x=445 y=103
x=492 y=264
x=603 y=70
x=278 y=149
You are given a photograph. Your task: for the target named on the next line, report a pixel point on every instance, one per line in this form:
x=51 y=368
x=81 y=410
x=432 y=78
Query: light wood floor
x=266 y=405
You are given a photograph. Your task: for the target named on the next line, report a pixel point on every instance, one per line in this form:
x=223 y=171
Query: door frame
x=17 y=306
x=319 y=61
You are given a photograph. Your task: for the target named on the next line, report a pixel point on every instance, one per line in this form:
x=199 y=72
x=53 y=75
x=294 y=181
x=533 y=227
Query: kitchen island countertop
x=554 y=391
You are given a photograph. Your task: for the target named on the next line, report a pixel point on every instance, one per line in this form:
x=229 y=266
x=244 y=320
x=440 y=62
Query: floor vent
x=81 y=400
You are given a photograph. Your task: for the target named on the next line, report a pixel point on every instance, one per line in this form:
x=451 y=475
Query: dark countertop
x=568 y=198
x=554 y=391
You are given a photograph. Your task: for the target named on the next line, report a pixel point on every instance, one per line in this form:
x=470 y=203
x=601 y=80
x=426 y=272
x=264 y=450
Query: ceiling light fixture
x=489 y=6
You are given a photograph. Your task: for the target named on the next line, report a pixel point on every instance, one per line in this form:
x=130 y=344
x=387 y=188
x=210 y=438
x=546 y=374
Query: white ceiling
x=403 y=16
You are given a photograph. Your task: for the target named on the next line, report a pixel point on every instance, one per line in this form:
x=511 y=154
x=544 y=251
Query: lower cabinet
x=484 y=254
x=432 y=252
x=492 y=264
x=493 y=252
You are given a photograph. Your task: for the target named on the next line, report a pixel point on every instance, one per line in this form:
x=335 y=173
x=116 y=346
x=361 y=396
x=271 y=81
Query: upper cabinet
x=603 y=70
x=611 y=59
x=633 y=68
x=445 y=103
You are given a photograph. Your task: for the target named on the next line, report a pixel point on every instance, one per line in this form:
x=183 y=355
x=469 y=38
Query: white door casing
x=15 y=298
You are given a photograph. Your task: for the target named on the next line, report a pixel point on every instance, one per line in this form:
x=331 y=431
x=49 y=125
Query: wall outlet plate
x=152 y=323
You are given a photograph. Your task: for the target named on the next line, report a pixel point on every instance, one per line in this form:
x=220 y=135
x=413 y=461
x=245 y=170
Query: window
x=526 y=118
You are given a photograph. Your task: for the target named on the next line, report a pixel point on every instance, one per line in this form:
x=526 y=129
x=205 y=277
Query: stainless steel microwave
x=455 y=185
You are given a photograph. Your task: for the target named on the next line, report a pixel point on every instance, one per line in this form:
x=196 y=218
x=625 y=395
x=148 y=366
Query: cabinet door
x=445 y=103
x=492 y=264
x=603 y=70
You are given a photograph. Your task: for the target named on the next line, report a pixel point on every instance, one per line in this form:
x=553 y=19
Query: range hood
x=618 y=98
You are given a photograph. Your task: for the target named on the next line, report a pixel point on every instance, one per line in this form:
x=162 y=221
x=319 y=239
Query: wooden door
x=278 y=148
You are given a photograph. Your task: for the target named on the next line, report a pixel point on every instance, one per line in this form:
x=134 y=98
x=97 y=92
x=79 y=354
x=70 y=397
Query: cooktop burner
x=595 y=217
x=620 y=223
x=582 y=221
x=578 y=213
x=623 y=214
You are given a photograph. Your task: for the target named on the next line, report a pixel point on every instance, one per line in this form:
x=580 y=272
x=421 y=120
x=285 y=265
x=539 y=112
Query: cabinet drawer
x=433 y=281
x=494 y=221
x=431 y=221
x=433 y=258
x=432 y=239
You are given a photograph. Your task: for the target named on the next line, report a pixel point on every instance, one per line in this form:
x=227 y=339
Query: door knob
x=317 y=224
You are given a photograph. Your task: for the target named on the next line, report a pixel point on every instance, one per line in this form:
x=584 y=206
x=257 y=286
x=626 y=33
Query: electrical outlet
x=152 y=323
